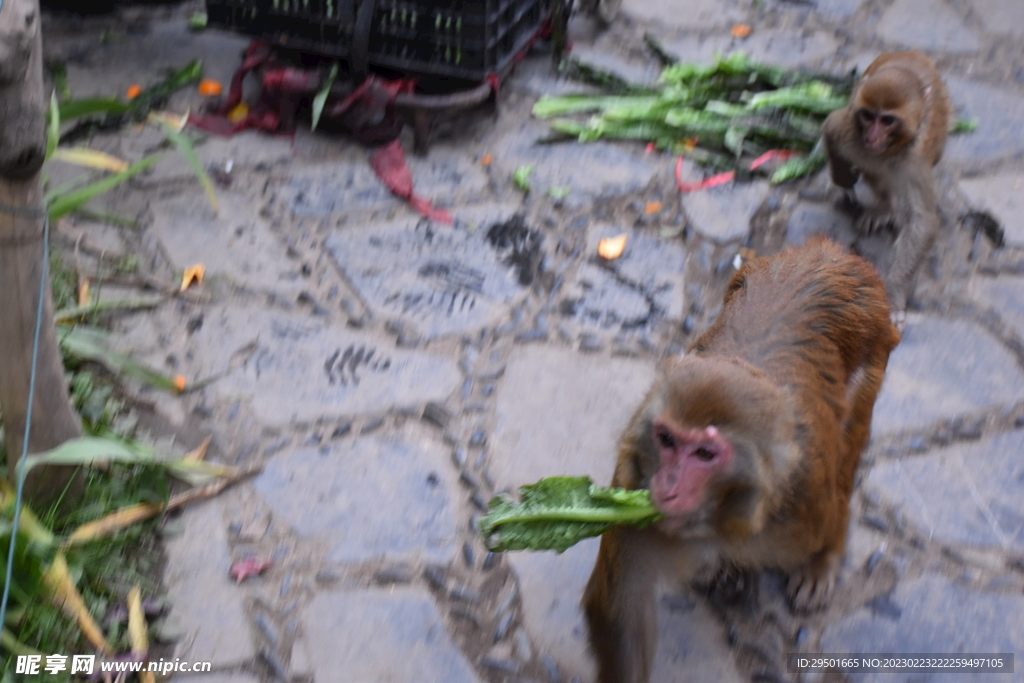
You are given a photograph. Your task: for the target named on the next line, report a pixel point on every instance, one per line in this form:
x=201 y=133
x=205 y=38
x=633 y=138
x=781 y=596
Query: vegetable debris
x=559 y=512
x=735 y=108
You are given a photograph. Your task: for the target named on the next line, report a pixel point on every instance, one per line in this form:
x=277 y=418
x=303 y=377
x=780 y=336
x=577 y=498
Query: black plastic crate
x=455 y=38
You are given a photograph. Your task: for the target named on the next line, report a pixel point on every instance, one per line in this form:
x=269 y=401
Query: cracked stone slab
x=811 y=219
x=691 y=645
x=931 y=614
x=986 y=479
x=378 y=496
x=791 y=48
x=646 y=281
x=838 y=9
x=1004 y=294
x=588 y=170
x=347 y=184
x=395 y=635
x=207 y=604
x=998 y=111
x=927 y=25
x=235 y=244
x=561 y=412
x=440 y=279
x=723 y=213
x=1001 y=194
x=292 y=366
x=1002 y=17
x=666 y=14
x=976 y=372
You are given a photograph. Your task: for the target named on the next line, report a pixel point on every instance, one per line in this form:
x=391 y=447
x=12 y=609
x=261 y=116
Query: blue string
x=28 y=413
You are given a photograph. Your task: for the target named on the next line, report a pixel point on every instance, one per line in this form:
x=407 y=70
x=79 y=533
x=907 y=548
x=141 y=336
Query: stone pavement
x=393 y=374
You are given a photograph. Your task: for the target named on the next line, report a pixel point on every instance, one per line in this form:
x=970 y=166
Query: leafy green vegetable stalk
x=559 y=512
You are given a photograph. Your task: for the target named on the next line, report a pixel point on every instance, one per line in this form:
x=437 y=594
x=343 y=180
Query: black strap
x=359 y=58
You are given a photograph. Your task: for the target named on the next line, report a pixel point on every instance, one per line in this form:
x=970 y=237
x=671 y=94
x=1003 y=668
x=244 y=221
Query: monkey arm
x=620 y=606
x=843 y=172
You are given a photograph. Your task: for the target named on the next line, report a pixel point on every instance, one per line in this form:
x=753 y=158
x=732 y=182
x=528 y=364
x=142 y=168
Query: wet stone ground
x=392 y=374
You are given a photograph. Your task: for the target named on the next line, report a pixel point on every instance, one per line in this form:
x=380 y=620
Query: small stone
x=394 y=574
x=535 y=335
x=503 y=626
x=437 y=414
x=875 y=522
x=551 y=667
x=491 y=558
x=459 y=457
x=506 y=665
x=463 y=612
x=873 y=560
x=275 y=446
x=327 y=577
x=466 y=594
x=271 y=660
x=435 y=577
x=590 y=343
x=268 y=630
x=469 y=479
x=523 y=650
x=479 y=501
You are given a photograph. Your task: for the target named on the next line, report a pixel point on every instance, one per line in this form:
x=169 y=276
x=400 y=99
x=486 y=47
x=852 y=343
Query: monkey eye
x=705 y=454
x=866 y=115
x=665 y=439
x=887 y=120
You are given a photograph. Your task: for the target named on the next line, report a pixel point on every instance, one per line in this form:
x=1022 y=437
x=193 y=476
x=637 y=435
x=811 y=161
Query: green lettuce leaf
x=559 y=512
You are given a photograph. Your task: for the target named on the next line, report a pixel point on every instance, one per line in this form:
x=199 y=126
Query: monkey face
x=877 y=129
x=687 y=460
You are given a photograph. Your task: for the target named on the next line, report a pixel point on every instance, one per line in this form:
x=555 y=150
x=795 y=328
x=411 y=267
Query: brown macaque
x=893 y=132
x=748 y=445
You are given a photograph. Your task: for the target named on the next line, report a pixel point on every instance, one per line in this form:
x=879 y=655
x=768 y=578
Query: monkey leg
x=916 y=238
x=619 y=603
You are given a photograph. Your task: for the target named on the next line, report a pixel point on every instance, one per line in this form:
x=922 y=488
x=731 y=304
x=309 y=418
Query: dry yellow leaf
x=200 y=452
x=741 y=30
x=83 y=292
x=115 y=521
x=611 y=247
x=137 y=628
x=652 y=207
x=192 y=274
x=238 y=113
x=62 y=587
x=486 y=160
x=90 y=158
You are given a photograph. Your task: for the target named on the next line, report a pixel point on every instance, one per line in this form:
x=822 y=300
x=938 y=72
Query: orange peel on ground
x=611 y=247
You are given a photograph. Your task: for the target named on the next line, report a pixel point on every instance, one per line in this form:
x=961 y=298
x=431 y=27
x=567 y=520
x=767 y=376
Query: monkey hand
x=810 y=587
x=875 y=219
x=899 y=319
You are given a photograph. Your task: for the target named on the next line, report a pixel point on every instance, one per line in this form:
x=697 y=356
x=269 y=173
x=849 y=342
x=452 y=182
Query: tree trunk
x=22 y=149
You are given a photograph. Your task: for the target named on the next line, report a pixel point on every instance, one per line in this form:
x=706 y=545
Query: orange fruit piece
x=210 y=88
x=133 y=91
x=741 y=30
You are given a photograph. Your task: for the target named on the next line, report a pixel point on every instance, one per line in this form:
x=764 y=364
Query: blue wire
x=28 y=413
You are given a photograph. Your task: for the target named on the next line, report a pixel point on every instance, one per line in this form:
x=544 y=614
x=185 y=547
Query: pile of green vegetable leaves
x=720 y=114
x=559 y=512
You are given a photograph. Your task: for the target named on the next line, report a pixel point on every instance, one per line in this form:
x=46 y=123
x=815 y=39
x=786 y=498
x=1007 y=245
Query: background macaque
x=748 y=445
x=893 y=132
